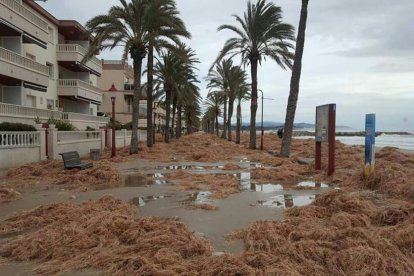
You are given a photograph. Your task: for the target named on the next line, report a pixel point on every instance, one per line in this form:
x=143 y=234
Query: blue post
x=369 y=167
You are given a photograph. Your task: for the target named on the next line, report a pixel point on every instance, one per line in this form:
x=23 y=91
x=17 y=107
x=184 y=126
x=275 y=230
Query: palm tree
x=164 y=23
x=218 y=79
x=237 y=82
x=174 y=70
x=213 y=103
x=242 y=95
x=294 y=83
x=262 y=34
x=124 y=25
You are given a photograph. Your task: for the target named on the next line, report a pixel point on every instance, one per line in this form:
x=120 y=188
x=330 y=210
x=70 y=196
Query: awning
x=83 y=66
x=34 y=86
x=11 y=26
x=27 y=38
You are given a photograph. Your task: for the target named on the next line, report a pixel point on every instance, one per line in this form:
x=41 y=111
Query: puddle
x=312 y=184
x=198 y=198
x=267 y=188
x=175 y=167
x=287 y=201
x=143 y=200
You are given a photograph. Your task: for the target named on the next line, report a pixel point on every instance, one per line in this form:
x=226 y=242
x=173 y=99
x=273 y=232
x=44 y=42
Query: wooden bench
x=71 y=161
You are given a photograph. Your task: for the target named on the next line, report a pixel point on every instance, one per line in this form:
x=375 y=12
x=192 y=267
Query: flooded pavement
x=147 y=187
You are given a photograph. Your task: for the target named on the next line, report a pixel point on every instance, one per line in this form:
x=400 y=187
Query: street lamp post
x=113 y=91
x=262 y=135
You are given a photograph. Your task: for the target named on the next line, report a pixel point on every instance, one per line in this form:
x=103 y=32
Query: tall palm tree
x=213 y=103
x=125 y=25
x=294 y=83
x=164 y=23
x=262 y=34
x=237 y=82
x=174 y=70
x=242 y=95
x=219 y=79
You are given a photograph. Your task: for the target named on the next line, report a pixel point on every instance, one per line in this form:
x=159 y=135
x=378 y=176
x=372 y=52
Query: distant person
x=280 y=133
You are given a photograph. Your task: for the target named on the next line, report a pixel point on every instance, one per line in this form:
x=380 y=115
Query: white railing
x=23 y=111
x=20 y=9
x=76 y=48
x=22 y=61
x=79 y=84
x=30 y=112
x=66 y=136
x=19 y=139
x=83 y=117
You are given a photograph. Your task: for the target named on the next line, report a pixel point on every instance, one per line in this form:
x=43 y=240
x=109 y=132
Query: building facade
x=120 y=74
x=42 y=72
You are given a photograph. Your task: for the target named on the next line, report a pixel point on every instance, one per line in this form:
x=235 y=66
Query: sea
x=404 y=142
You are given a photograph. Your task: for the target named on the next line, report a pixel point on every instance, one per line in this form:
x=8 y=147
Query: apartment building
x=41 y=68
x=120 y=74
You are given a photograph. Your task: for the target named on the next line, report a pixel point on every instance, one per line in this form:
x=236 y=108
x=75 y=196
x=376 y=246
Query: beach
x=202 y=205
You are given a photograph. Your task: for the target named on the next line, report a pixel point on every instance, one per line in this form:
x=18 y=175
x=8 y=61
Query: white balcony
x=26 y=115
x=74 y=53
x=16 y=14
x=79 y=89
x=18 y=67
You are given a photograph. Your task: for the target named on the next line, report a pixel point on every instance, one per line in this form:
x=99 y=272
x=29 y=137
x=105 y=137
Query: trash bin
x=95 y=154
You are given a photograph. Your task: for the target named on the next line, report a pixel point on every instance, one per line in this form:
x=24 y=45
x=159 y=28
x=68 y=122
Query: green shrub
x=88 y=128
x=128 y=126
x=16 y=127
x=61 y=125
x=118 y=125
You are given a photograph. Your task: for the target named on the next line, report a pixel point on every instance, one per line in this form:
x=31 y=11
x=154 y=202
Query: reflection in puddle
x=287 y=201
x=176 y=167
x=267 y=188
x=198 y=198
x=142 y=201
x=244 y=180
x=139 y=180
x=312 y=184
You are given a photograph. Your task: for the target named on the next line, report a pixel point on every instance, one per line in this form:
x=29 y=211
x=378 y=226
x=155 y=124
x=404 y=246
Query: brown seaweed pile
x=8 y=195
x=102 y=234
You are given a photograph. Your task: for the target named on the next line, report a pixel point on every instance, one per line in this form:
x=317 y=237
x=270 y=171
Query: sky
x=358 y=54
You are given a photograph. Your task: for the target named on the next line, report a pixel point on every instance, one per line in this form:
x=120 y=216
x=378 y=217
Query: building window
x=91 y=111
x=57 y=103
x=51 y=69
x=41 y=100
x=50 y=103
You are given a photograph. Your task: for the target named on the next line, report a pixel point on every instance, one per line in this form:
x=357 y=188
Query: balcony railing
x=76 y=48
x=78 y=88
x=11 y=110
x=23 y=111
x=81 y=84
x=26 y=13
x=83 y=117
x=19 y=60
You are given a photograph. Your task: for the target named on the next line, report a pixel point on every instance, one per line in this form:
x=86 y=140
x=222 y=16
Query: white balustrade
x=19 y=139
x=20 y=9
x=17 y=59
x=23 y=111
x=76 y=48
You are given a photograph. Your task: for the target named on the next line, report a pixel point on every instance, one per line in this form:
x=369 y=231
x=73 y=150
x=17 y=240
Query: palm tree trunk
x=231 y=102
x=150 y=79
x=137 y=57
x=178 y=131
x=238 y=123
x=173 y=122
x=224 y=134
x=167 y=114
x=294 y=82
x=253 y=105
x=217 y=126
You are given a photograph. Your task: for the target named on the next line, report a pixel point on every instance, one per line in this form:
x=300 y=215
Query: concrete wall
x=81 y=146
x=14 y=157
